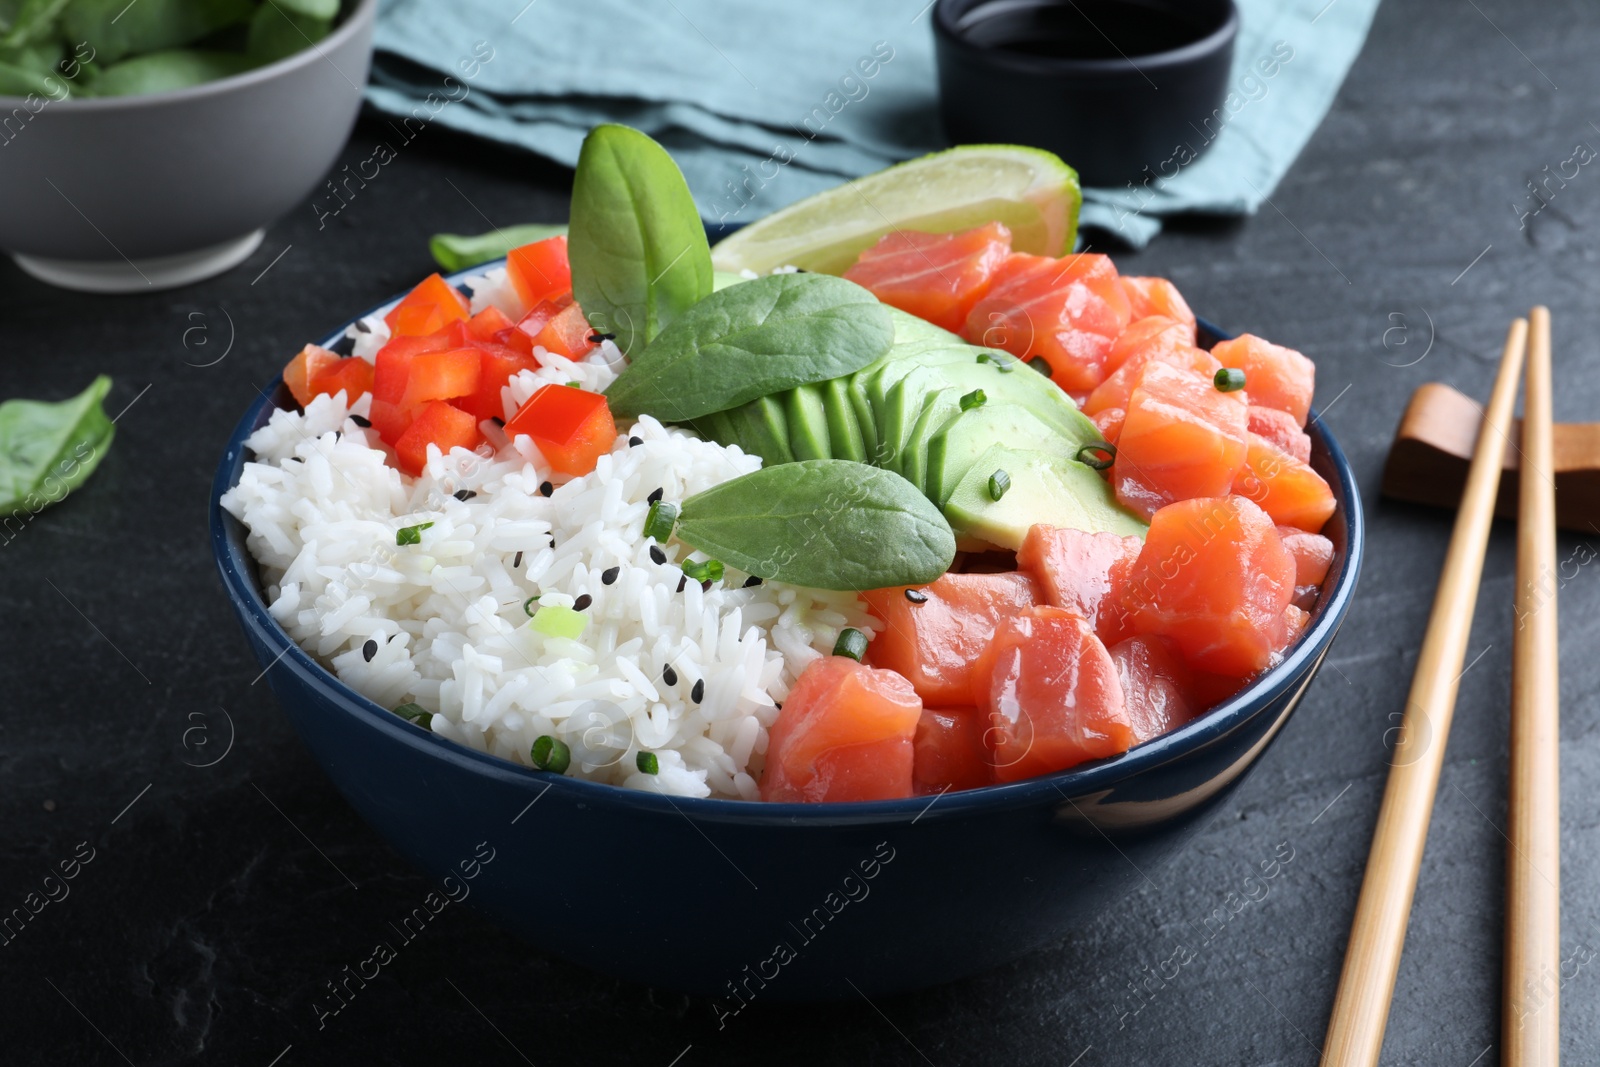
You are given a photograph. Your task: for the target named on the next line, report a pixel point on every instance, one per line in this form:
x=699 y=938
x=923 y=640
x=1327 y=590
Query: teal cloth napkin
x=762 y=106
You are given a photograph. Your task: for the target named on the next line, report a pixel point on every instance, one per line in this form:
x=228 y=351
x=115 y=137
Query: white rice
x=446 y=617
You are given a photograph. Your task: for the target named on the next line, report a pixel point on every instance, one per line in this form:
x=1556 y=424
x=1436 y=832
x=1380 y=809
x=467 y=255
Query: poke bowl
x=612 y=840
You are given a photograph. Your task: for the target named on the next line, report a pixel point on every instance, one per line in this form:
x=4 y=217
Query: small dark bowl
x=1143 y=78
x=699 y=895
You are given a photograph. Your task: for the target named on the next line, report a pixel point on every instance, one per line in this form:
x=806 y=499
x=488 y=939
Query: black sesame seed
x=655 y=495
x=698 y=693
x=362 y=327
x=361 y=421
x=596 y=337
x=297 y=459
x=683 y=581
x=669 y=675
x=516 y=561
x=552 y=539
x=464 y=495
x=369 y=650
x=656 y=555
x=705 y=585
x=545 y=488
x=916 y=596
x=754 y=579
x=635 y=442
x=498 y=421
x=582 y=603
x=609 y=575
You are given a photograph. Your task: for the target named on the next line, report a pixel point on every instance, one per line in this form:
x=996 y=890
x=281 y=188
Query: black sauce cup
x=1111 y=86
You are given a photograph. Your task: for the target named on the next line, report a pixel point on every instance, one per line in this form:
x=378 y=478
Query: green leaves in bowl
x=752 y=339
x=638 y=249
x=823 y=523
x=49 y=449
x=455 y=251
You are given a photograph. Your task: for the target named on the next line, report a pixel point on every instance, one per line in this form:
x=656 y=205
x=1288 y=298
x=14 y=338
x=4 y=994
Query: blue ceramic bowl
x=743 y=901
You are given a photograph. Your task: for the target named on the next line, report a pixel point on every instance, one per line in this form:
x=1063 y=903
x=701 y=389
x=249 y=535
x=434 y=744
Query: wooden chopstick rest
x=1433 y=446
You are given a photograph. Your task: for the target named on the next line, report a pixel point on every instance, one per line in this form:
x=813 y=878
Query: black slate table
x=216 y=901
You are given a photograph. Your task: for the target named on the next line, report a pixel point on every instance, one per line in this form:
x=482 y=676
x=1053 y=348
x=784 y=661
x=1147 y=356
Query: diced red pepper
x=485 y=324
x=496 y=366
x=441 y=376
x=540 y=271
x=566 y=333
x=393 y=364
x=572 y=427
x=304 y=369
x=352 y=375
x=390 y=419
x=432 y=305
x=437 y=423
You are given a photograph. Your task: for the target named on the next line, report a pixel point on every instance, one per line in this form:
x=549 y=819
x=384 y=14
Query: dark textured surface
x=214 y=908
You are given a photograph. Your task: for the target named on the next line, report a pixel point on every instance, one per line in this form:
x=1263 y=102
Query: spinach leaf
x=823 y=523
x=454 y=251
x=35 y=22
x=751 y=339
x=117 y=28
x=277 y=32
x=20 y=81
x=638 y=251
x=312 y=9
x=161 y=72
x=49 y=449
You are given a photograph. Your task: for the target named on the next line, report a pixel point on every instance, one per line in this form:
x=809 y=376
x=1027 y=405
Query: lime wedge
x=1030 y=190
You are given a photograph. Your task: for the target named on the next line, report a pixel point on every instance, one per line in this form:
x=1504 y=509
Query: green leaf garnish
x=49 y=449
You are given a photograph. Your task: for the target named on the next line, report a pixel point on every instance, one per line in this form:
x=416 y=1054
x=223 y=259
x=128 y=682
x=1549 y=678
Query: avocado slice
x=762 y=429
x=844 y=431
x=808 y=422
x=956 y=445
x=1044 y=488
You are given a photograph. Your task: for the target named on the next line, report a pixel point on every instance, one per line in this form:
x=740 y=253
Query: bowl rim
x=1195 y=51
x=361 y=15
x=237 y=569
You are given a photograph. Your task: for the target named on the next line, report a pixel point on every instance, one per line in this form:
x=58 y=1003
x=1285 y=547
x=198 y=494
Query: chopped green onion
x=852 y=643
x=553 y=620
x=1228 y=380
x=709 y=571
x=974 y=399
x=527 y=606
x=999 y=482
x=1099 y=455
x=551 y=755
x=984 y=357
x=574 y=385
x=1040 y=364
x=410 y=535
x=659 y=523
x=416 y=713
x=648 y=763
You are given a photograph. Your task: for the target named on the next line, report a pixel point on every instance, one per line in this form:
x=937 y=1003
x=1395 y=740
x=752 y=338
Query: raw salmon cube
x=1313 y=554
x=1274 y=376
x=1152 y=331
x=1288 y=490
x=1066 y=310
x=1115 y=391
x=932 y=642
x=1051 y=693
x=949 y=752
x=1157 y=296
x=1214 y=577
x=1109 y=423
x=1182 y=438
x=1157 y=685
x=1082 y=572
x=845 y=733
x=935 y=276
x=1281 y=430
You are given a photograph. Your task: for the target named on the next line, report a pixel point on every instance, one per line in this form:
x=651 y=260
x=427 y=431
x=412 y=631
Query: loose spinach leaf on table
x=751 y=339
x=638 y=249
x=823 y=523
x=49 y=449
x=455 y=251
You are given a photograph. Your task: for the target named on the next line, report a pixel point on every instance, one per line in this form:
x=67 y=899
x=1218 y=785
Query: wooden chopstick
x=1530 y=1024
x=1361 y=1007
